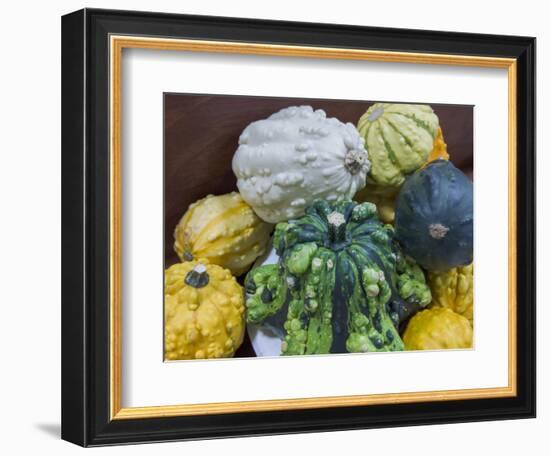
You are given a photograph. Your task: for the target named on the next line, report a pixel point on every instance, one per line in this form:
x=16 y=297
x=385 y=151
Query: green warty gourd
x=340 y=285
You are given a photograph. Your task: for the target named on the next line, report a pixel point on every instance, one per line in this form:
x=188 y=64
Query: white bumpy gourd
x=295 y=156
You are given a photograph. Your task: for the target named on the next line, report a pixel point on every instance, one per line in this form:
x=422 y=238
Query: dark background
x=201 y=135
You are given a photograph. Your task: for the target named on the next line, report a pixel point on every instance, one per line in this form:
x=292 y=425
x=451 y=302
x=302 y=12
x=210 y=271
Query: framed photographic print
x=271 y=227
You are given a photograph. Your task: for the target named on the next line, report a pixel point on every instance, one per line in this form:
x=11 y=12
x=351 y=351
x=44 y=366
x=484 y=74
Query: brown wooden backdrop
x=201 y=135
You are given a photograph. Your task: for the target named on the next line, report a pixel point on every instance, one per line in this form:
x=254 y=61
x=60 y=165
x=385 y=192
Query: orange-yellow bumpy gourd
x=454 y=289
x=440 y=148
x=436 y=329
x=223 y=230
x=203 y=312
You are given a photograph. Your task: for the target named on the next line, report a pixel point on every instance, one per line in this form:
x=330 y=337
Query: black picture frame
x=85 y=227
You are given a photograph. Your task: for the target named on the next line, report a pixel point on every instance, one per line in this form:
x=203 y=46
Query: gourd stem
x=438 y=231
x=355 y=161
x=197 y=277
x=376 y=113
x=336 y=227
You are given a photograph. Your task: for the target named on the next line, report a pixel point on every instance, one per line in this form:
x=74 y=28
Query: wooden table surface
x=201 y=135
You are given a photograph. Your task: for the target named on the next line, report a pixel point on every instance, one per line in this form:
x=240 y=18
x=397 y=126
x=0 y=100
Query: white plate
x=264 y=341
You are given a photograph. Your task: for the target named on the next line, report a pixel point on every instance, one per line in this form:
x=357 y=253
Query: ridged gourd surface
x=399 y=138
x=434 y=217
x=223 y=230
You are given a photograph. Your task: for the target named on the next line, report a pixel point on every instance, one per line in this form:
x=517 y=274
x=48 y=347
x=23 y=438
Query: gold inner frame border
x=116 y=46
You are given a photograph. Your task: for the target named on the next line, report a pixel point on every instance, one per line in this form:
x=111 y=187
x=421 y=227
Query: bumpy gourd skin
x=203 y=312
x=411 y=283
x=413 y=293
x=437 y=329
x=223 y=230
x=335 y=282
x=296 y=155
x=454 y=289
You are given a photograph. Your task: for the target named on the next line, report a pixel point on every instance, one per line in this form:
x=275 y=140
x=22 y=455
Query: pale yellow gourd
x=384 y=201
x=437 y=329
x=399 y=138
x=454 y=289
x=223 y=230
x=203 y=312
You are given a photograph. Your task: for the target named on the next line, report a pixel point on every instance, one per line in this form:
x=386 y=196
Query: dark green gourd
x=334 y=283
x=434 y=217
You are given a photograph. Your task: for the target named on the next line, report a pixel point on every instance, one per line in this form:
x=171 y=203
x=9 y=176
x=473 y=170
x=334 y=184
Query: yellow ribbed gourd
x=203 y=312
x=437 y=329
x=454 y=289
x=223 y=230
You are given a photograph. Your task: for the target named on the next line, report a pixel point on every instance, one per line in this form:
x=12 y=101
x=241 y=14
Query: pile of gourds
x=371 y=228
